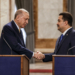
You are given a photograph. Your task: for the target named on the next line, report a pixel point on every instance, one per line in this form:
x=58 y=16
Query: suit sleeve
x=48 y=57
x=10 y=37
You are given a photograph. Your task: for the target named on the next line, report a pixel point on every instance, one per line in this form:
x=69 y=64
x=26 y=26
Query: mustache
x=57 y=25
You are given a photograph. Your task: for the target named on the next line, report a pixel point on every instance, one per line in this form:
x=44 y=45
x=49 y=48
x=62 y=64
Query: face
x=61 y=24
x=23 y=20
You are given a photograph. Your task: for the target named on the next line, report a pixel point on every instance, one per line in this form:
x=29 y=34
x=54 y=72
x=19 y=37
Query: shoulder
x=72 y=33
x=8 y=28
x=8 y=25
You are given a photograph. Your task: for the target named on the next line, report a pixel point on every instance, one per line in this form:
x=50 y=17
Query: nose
x=57 y=23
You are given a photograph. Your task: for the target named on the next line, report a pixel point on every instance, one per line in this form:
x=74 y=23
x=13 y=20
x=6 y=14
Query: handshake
x=39 y=55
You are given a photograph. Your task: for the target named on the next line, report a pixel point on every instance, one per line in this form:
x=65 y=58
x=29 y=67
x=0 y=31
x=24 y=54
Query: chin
x=59 y=29
x=23 y=26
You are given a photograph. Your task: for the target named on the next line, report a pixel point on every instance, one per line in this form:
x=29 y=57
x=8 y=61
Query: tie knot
x=62 y=35
x=19 y=30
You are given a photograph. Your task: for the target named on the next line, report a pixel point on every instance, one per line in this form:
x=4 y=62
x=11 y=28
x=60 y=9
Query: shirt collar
x=16 y=25
x=66 y=31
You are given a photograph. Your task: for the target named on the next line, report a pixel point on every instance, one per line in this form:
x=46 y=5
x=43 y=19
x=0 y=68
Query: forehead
x=60 y=17
x=26 y=14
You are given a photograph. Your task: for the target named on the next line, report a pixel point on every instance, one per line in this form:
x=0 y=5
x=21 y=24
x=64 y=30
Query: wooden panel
x=13 y=56
x=25 y=66
x=21 y=65
x=63 y=55
x=64 y=5
x=53 y=65
x=45 y=43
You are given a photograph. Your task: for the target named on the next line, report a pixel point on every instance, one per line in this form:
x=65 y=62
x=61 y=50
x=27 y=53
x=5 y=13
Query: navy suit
x=67 y=42
x=10 y=35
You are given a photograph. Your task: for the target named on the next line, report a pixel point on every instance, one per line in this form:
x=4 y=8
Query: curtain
x=28 y=5
x=71 y=9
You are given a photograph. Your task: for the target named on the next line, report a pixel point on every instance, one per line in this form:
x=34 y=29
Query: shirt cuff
x=33 y=54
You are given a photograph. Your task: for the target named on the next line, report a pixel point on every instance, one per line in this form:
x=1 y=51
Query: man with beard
x=66 y=42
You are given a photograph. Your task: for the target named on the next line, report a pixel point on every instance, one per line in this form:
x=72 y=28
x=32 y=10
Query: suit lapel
x=17 y=32
x=56 y=47
x=64 y=37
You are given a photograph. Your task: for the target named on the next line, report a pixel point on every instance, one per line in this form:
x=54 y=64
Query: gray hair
x=20 y=11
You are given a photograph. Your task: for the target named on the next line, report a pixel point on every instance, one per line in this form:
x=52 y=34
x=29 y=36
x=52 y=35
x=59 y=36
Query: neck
x=65 y=29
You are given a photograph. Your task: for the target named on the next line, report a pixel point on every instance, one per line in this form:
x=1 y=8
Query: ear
x=18 y=17
x=66 y=22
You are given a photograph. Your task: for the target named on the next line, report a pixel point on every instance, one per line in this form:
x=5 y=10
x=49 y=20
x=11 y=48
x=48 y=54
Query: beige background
x=6 y=12
x=48 y=11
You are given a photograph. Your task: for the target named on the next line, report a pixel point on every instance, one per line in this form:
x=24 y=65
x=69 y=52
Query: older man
x=12 y=41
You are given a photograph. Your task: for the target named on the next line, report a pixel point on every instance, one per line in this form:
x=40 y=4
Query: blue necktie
x=60 y=38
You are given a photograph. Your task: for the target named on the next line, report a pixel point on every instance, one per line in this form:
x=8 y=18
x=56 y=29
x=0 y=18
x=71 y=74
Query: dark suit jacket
x=67 y=42
x=12 y=36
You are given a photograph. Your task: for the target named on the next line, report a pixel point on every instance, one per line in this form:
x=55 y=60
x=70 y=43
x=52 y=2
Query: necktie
x=19 y=30
x=21 y=36
x=60 y=38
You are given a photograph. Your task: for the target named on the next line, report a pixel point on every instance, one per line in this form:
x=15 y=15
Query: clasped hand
x=39 y=55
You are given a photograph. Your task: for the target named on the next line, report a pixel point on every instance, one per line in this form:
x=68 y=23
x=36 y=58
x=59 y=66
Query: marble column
x=6 y=12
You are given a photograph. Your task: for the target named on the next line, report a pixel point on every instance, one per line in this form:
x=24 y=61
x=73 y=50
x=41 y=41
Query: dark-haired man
x=66 y=42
